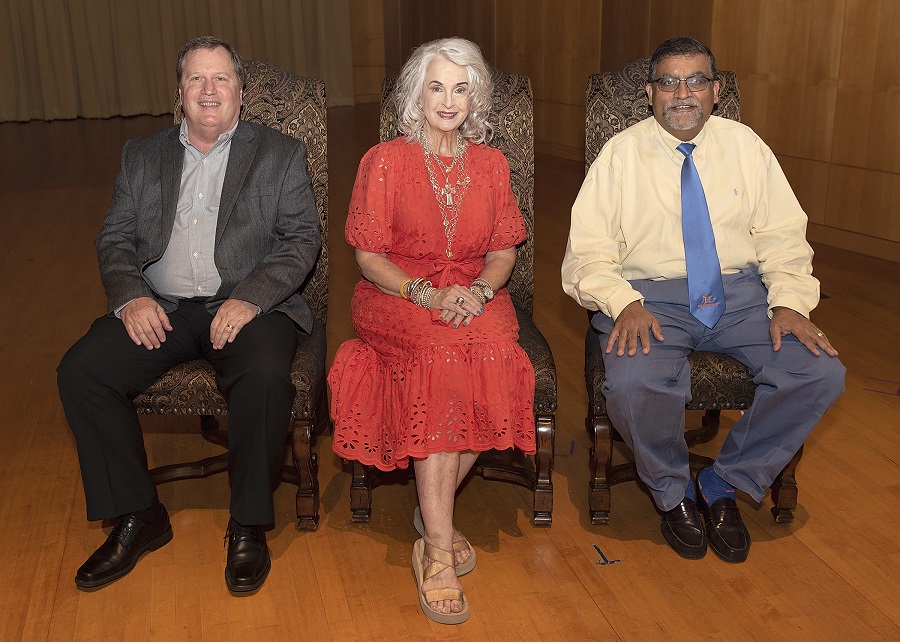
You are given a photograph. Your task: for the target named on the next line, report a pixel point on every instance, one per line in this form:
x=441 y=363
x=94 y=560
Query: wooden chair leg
x=307 y=465
x=543 y=470
x=599 y=495
x=208 y=424
x=360 y=494
x=784 y=491
x=708 y=430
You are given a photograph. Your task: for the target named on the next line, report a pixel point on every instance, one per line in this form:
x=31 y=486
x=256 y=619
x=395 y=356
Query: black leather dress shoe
x=248 y=557
x=130 y=538
x=683 y=531
x=725 y=529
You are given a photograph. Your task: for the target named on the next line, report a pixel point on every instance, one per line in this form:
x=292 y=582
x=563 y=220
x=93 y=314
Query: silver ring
x=460 y=301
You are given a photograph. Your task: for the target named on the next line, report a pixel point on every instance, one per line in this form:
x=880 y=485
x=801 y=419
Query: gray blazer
x=267 y=235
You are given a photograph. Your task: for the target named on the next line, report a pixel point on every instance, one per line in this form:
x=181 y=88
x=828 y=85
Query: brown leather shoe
x=130 y=538
x=683 y=531
x=248 y=557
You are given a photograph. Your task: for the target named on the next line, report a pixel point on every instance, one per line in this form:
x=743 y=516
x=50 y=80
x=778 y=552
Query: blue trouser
x=646 y=393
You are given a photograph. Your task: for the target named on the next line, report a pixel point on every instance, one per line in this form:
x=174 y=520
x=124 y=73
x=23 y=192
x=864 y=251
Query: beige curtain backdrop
x=101 y=58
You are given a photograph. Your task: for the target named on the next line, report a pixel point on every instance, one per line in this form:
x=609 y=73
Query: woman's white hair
x=411 y=85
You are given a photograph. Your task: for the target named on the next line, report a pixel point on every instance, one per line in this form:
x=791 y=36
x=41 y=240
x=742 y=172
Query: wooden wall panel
x=572 y=33
x=819 y=83
x=683 y=18
x=520 y=41
x=867 y=129
x=571 y=46
x=397 y=34
x=470 y=19
x=788 y=69
x=626 y=36
x=368 y=46
x=809 y=179
x=526 y=36
x=864 y=201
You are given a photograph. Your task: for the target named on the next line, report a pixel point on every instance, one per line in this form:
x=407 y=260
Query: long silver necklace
x=448 y=205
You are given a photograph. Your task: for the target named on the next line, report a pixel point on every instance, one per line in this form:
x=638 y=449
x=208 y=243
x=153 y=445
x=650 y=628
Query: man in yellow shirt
x=686 y=236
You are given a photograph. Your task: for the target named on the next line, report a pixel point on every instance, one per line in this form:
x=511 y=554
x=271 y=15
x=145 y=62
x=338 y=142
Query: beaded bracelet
x=479 y=294
x=487 y=292
x=420 y=292
x=426 y=298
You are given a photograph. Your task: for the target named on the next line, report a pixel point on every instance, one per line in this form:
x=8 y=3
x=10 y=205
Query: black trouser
x=104 y=371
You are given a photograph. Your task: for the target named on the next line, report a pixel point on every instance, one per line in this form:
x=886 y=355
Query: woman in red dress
x=436 y=373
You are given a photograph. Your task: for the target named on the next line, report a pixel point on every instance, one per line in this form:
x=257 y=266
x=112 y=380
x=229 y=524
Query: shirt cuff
x=792 y=302
x=118 y=311
x=622 y=300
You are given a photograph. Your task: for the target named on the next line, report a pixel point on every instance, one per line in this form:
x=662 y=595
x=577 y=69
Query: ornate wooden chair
x=294 y=106
x=513 y=117
x=615 y=101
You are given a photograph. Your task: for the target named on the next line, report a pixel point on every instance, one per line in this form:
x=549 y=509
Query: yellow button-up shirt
x=626 y=220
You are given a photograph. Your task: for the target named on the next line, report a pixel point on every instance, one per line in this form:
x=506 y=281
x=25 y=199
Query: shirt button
x=200 y=195
x=194 y=222
x=196 y=255
x=199 y=289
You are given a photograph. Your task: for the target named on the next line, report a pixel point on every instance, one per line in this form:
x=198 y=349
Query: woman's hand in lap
x=457 y=305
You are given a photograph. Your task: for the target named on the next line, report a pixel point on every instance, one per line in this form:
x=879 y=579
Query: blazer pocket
x=257 y=191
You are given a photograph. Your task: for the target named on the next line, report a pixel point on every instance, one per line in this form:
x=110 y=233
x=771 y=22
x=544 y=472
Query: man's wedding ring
x=460 y=301
x=230 y=327
x=820 y=334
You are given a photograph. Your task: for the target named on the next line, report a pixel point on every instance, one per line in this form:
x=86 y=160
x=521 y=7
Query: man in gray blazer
x=211 y=230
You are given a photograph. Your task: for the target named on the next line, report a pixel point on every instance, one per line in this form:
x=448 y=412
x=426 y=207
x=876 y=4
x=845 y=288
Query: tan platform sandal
x=458 y=547
x=440 y=559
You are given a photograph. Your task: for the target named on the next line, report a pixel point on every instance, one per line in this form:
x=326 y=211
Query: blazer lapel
x=243 y=151
x=170 y=178
x=172 y=163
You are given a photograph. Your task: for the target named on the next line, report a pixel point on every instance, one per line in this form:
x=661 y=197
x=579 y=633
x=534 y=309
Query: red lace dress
x=411 y=385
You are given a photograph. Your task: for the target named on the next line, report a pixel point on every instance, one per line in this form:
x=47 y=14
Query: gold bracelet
x=403 y=294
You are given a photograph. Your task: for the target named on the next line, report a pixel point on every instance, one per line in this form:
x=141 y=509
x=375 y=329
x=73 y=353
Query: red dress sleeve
x=371 y=213
x=509 y=226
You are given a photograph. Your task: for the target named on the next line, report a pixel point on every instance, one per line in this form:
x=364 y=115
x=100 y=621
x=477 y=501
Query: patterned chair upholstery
x=513 y=119
x=294 y=106
x=616 y=100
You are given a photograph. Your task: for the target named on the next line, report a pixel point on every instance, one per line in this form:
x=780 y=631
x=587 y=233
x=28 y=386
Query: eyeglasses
x=670 y=84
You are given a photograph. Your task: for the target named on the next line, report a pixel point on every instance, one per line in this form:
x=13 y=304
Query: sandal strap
x=462 y=545
x=441 y=594
x=439 y=560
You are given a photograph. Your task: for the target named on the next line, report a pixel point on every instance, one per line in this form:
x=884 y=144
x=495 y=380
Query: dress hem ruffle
x=377 y=463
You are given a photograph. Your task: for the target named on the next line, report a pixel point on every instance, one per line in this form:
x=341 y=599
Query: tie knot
x=686 y=148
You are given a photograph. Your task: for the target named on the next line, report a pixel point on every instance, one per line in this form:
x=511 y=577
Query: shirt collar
x=670 y=143
x=224 y=137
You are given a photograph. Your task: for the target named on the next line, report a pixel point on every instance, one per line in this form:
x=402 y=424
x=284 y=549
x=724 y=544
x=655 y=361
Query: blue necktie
x=704 y=274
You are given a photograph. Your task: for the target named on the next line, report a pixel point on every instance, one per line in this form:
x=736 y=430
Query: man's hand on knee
x=634 y=324
x=146 y=322
x=233 y=315
x=786 y=321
